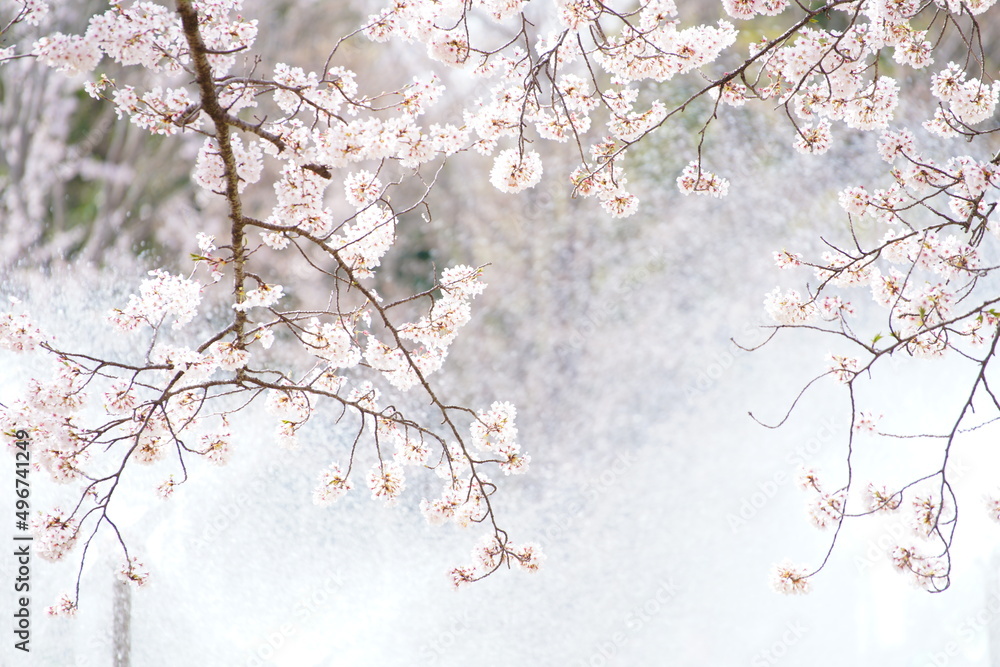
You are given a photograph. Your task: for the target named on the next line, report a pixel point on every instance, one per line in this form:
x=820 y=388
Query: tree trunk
x=121 y=638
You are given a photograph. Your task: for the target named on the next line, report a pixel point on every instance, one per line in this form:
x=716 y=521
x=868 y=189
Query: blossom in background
x=65 y=607
x=386 y=480
x=362 y=188
x=217 y=447
x=133 y=572
x=163 y=294
x=494 y=428
x=814 y=140
x=333 y=484
x=790 y=579
x=55 y=534
x=827 y=509
x=789 y=308
x=264 y=296
x=696 y=180
x=866 y=422
x=17 y=333
x=514 y=170
x=844 y=368
x=878 y=499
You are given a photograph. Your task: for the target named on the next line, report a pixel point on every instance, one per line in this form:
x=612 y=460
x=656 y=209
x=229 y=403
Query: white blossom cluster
x=133 y=572
x=489 y=554
x=333 y=484
x=17 y=333
x=164 y=294
x=494 y=431
x=55 y=534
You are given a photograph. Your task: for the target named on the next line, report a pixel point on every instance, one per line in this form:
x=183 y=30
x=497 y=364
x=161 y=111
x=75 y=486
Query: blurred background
x=659 y=502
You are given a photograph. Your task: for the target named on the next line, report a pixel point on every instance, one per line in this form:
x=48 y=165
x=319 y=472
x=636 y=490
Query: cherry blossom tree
x=350 y=160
